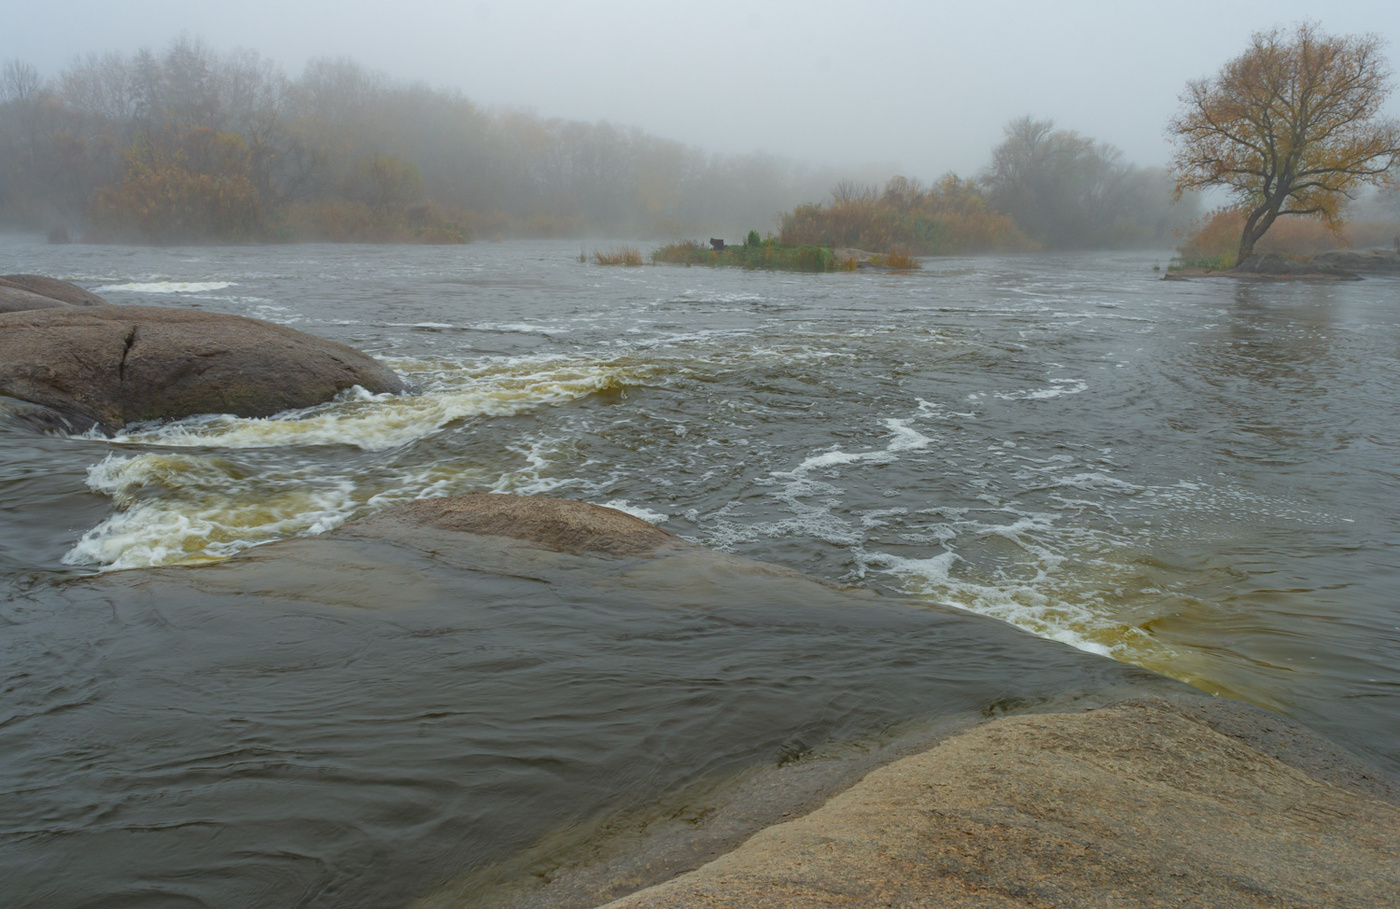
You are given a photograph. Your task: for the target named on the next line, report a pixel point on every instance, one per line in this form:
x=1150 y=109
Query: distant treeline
x=192 y=145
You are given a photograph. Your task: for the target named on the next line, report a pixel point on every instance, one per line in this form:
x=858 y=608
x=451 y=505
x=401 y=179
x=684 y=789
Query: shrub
x=949 y=218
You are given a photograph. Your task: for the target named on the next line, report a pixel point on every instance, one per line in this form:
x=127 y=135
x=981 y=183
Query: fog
x=909 y=87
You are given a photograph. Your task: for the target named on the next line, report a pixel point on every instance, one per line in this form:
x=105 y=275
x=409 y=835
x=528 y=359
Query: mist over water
x=1195 y=477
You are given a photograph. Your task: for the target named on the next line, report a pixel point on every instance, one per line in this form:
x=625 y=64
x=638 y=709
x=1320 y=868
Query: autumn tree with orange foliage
x=1291 y=127
x=182 y=186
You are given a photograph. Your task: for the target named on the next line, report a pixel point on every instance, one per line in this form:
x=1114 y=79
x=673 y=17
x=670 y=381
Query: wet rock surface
x=560 y=525
x=16 y=299
x=113 y=365
x=53 y=288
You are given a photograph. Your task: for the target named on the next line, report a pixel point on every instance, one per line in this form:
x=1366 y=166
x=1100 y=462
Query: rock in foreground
x=115 y=365
x=1141 y=804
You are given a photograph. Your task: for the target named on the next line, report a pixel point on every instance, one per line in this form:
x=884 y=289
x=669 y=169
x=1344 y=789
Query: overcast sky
x=920 y=87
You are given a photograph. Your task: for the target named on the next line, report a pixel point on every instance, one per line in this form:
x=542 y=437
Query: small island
x=766 y=253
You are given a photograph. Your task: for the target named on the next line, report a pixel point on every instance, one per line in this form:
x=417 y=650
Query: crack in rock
x=126 y=351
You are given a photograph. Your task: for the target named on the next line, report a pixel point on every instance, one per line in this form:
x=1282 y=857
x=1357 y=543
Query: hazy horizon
x=898 y=86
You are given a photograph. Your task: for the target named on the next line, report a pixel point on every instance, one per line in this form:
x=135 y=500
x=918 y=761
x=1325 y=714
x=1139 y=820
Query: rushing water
x=1195 y=477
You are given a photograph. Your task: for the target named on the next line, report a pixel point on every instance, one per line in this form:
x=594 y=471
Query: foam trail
x=169 y=287
x=380 y=422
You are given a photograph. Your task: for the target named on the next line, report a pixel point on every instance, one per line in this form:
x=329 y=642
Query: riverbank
x=1337 y=265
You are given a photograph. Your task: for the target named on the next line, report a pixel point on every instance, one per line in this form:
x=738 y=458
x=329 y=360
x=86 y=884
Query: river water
x=1199 y=478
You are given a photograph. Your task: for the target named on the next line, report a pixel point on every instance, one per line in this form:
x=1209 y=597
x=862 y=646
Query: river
x=1199 y=478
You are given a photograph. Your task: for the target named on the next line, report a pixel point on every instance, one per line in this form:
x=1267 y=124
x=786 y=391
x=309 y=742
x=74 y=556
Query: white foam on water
x=706 y=296
x=905 y=438
x=174 y=508
x=370 y=422
x=1042 y=604
x=812 y=502
x=168 y=287
x=1058 y=388
x=520 y=327
x=207 y=508
x=637 y=511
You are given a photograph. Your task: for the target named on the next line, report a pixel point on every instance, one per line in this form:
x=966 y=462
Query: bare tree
x=20 y=82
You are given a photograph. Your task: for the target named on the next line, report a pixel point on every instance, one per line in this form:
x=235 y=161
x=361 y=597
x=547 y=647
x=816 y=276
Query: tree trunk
x=1255 y=226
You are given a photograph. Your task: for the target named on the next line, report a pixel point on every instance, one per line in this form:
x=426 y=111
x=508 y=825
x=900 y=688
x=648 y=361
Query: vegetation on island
x=1044 y=189
x=1212 y=242
x=755 y=252
x=1292 y=126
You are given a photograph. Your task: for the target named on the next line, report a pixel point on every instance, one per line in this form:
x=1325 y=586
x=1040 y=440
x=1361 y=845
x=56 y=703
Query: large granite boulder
x=52 y=288
x=17 y=299
x=113 y=365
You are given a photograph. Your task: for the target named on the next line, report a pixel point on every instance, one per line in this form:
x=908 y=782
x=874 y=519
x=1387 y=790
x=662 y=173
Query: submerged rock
x=54 y=289
x=113 y=365
x=560 y=525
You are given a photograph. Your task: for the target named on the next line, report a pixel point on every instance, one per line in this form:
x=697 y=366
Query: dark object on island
x=108 y=366
x=59 y=235
x=717 y=244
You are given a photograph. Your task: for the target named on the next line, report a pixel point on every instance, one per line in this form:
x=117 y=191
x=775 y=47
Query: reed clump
x=899 y=259
x=628 y=256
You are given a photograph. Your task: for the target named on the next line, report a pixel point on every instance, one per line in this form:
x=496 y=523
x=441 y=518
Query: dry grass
x=629 y=256
x=1216 y=238
x=899 y=258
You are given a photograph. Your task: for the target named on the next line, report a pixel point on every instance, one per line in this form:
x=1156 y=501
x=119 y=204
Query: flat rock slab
x=557 y=524
x=1141 y=804
x=115 y=365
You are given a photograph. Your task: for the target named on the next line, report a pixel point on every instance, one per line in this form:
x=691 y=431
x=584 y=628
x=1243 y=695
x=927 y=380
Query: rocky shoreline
x=1337 y=265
